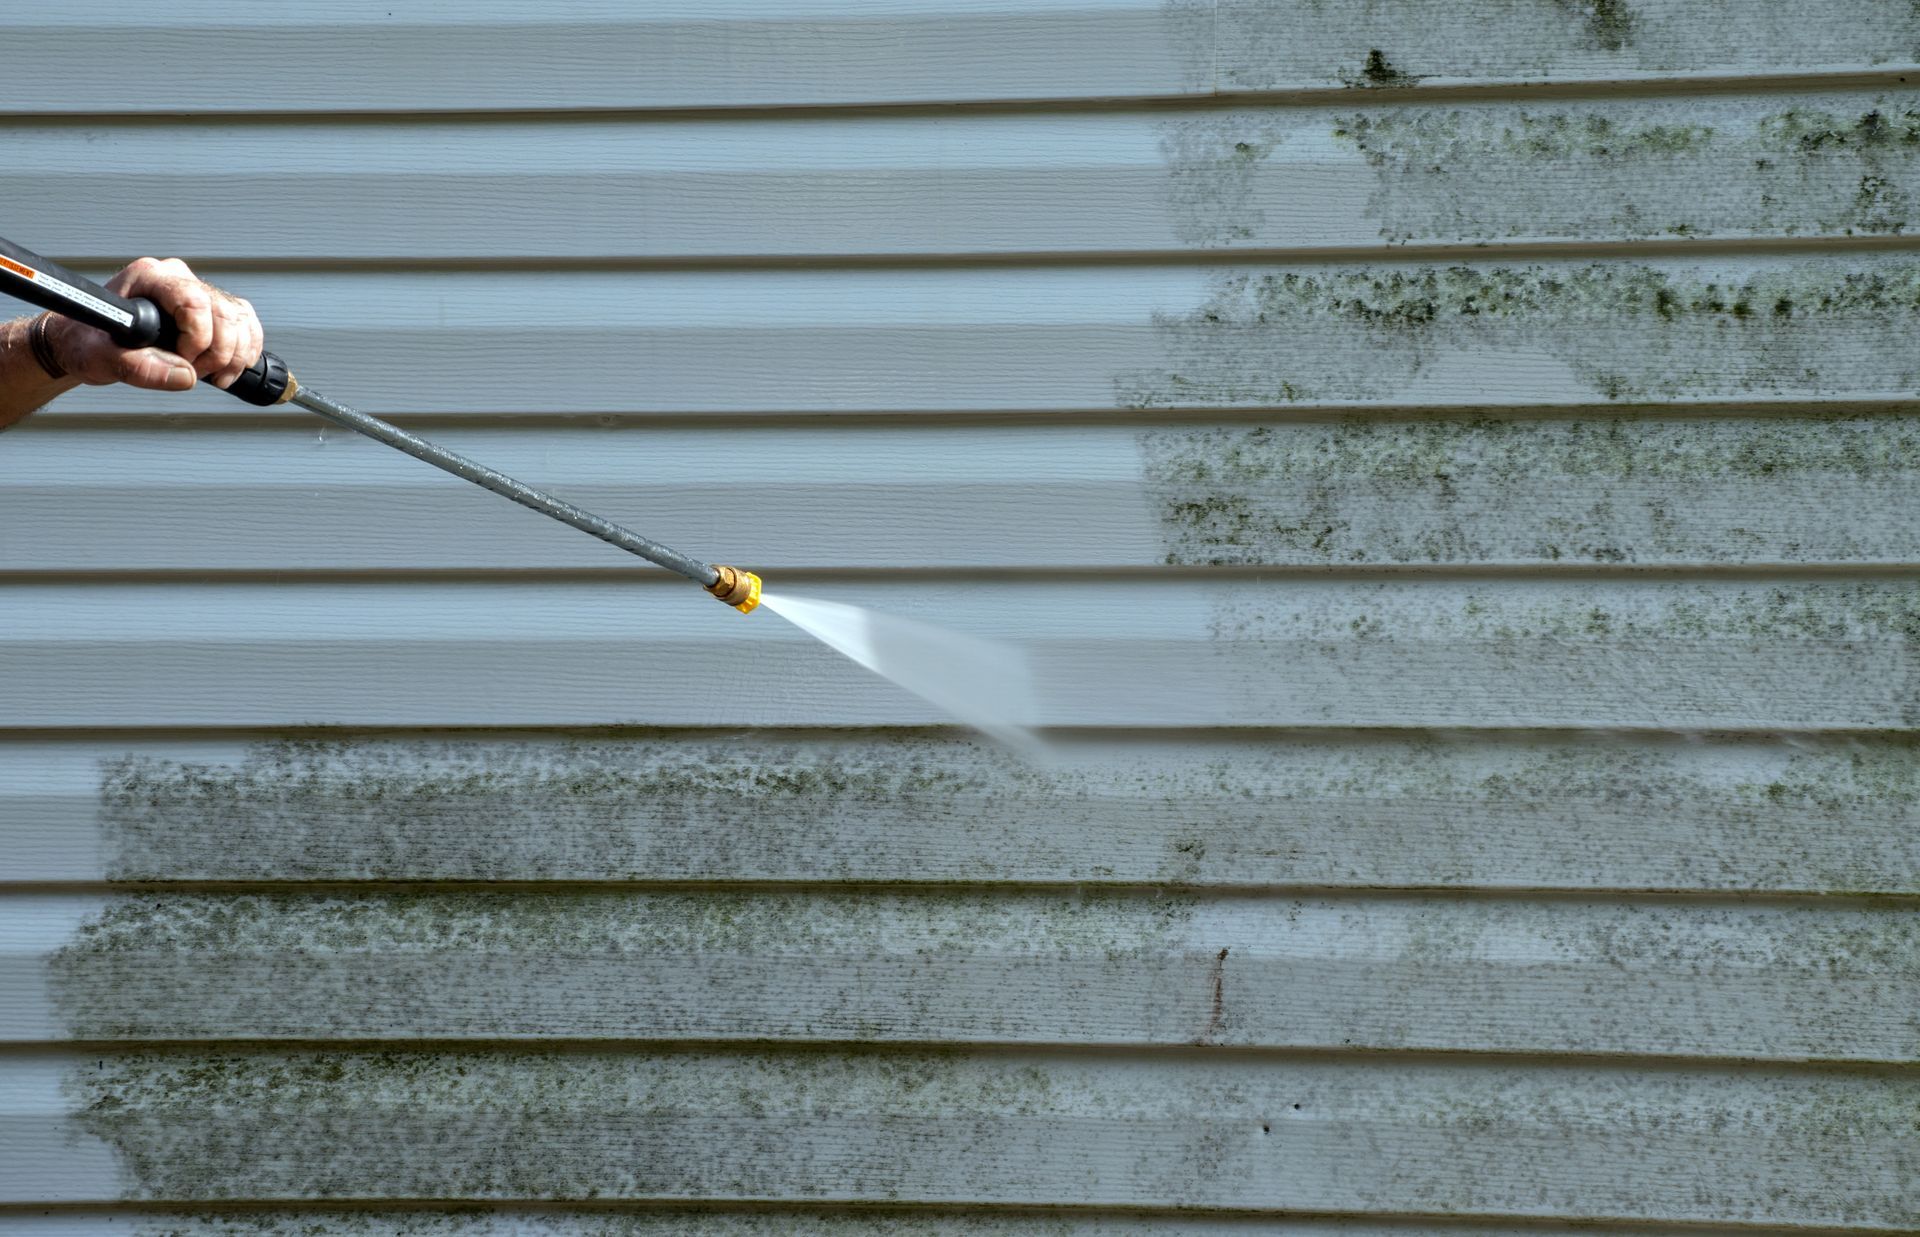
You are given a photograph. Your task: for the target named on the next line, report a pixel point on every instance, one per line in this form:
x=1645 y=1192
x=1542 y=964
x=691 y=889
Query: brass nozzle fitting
x=739 y=589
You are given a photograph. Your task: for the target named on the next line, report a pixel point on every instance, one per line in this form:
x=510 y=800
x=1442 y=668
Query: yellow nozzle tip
x=736 y=588
x=752 y=602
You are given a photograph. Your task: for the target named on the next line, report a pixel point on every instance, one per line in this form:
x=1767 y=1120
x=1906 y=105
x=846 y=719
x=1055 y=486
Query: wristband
x=42 y=348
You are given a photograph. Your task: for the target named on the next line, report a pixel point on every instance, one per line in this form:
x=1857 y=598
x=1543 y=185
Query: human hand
x=220 y=336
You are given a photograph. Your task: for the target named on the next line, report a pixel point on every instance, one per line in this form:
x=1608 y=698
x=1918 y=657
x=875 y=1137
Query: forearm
x=24 y=386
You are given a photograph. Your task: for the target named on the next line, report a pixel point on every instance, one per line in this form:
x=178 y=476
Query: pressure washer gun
x=139 y=323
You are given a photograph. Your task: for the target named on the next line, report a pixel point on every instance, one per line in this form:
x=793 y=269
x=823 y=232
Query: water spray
x=984 y=684
x=134 y=322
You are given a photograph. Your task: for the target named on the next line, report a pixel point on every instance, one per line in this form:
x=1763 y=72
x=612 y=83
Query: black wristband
x=42 y=349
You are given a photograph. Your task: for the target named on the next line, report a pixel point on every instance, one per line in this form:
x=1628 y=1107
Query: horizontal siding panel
x=1737 y=490
x=720 y=1222
x=1276 y=178
x=867 y=1221
x=1103 y=337
x=1770 y=655
x=1800 y=815
x=1250 y=971
x=1194 y=1128
x=600 y=54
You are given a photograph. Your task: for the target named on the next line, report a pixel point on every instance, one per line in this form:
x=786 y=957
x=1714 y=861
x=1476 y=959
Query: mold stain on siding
x=925 y=924
x=1610 y=23
x=674 y=1222
x=1625 y=332
x=508 y=1124
x=1377 y=72
x=1335 y=809
x=877 y=967
x=1212 y=163
x=1842 y=614
x=319 y=809
x=1654 y=171
x=1809 y=1147
x=1486 y=489
x=1189 y=26
x=1286 y=44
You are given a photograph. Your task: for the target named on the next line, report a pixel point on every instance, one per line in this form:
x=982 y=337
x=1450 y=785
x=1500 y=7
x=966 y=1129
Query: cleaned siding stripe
x=1194 y=1129
x=1768 y=655
x=1472 y=335
x=1793 y=814
x=1274 y=178
x=745 y=53
x=1776 y=488
x=1399 y=974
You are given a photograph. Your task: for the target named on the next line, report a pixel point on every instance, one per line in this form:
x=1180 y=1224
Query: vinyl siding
x=1451 y=468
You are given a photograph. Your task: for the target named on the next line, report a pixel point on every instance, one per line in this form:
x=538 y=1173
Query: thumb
x=155 y=370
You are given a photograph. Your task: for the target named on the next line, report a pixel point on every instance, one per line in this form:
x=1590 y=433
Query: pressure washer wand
x=139 y=323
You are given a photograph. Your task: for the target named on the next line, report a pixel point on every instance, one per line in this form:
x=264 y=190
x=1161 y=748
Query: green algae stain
x=1856 y=618
x=1290 y=44
x=1569 y=171
x=925 y=924
x=1378 y=72
x=1273 y=812
x=1625 y=489
x=1190 y=31
x=1453 y=141
x=587 y=964
x=794 y=1220
x=1795 y=656
x=1808 y=130
x=1212 y=164
x=644 y=807
x=519 y=1124
x=1625 y=332
x=1610 y=24
x=1483 y=174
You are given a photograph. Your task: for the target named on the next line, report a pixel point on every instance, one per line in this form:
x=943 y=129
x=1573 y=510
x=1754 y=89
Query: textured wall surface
x=1452 y=463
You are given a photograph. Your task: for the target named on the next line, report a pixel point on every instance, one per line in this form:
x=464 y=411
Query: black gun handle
x=132 y=322
x=266 y=382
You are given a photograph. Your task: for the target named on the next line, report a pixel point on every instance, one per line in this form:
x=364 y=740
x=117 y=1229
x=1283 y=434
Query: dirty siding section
x=1453 y=464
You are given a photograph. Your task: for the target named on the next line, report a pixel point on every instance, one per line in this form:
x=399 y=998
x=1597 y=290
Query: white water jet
x=982 y=683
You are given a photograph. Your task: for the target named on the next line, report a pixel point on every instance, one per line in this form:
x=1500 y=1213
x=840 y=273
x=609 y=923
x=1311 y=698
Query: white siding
x=1451 y=466
x=373 y=56
x=1545 y=333
x=1243 y=176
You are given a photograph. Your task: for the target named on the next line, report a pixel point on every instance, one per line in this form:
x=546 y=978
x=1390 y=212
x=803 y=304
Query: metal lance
x=138 y=323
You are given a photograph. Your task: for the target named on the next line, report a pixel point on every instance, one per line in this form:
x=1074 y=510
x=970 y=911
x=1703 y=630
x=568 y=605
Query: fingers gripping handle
x=131 y=322
x=265 y=382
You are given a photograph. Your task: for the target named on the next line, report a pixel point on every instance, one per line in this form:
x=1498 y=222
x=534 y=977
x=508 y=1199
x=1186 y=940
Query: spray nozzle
x=739 y=589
